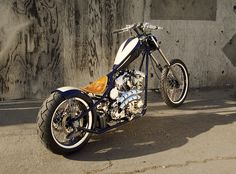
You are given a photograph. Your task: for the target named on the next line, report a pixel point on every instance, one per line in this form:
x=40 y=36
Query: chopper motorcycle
x=69 y=116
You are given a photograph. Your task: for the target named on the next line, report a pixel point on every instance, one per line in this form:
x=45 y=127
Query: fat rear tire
x=44 y=119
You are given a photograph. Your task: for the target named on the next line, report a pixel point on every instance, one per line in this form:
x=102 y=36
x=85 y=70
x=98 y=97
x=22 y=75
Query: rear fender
x=70 y=92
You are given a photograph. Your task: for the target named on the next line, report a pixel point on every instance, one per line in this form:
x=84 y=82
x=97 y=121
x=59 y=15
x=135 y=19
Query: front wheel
x=174 y=91
x=55 y=126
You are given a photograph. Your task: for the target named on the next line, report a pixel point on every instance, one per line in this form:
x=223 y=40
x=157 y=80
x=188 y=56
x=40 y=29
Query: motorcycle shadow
x=148 y=135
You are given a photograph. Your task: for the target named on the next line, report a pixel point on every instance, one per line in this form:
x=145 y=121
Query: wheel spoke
x=174 y=90
x=63 y=128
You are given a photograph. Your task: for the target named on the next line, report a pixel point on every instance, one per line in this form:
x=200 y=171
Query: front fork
x=166 y=60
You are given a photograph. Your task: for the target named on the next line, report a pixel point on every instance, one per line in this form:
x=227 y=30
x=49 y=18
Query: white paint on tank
x=124 y=52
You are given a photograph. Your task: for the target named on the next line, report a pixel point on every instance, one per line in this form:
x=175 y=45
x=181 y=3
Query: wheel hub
x=174 y=83
x=67 y=128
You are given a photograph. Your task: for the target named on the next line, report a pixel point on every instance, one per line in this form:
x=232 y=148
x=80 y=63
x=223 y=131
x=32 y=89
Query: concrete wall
x=31 y=48
x=206 y=46
x=45 y=44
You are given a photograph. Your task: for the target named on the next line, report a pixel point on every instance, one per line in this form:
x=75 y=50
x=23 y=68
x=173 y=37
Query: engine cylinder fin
x=128 y=94
x=128 y=100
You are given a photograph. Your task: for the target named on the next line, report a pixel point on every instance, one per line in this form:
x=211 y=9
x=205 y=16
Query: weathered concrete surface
x=45 y=44
x=30 y=48
x=230 y=50
x=198 y=137
x=184 y=10
x=48 y=43
x=200 y=43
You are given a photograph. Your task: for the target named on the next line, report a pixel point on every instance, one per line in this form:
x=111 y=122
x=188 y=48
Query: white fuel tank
x=125 y=49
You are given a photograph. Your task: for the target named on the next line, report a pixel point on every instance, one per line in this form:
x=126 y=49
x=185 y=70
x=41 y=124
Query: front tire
x=173 y=93
x=53 y=121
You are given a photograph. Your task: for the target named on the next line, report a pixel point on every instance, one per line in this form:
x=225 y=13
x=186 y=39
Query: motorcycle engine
x=128 y=95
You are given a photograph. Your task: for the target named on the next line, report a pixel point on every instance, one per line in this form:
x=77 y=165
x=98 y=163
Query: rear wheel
x=56 y=127
x=173 y=91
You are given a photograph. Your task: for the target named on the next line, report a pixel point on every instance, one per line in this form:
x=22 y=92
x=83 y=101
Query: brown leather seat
x=97 y=87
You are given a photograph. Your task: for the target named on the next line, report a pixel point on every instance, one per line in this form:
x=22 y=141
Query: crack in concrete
x=101 y=169
x=187 y=163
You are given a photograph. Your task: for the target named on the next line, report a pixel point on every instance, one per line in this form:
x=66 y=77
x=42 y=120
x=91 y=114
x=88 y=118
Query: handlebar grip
x=152 y=27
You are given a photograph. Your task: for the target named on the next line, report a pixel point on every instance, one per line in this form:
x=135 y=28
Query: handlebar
x=127 y=28
x=120 y=30
x=141 y=26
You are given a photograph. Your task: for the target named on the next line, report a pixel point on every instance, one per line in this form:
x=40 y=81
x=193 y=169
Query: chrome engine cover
x=129 y=100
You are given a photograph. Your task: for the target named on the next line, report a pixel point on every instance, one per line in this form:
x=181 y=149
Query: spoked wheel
x=173 y=91
x=56 y=126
